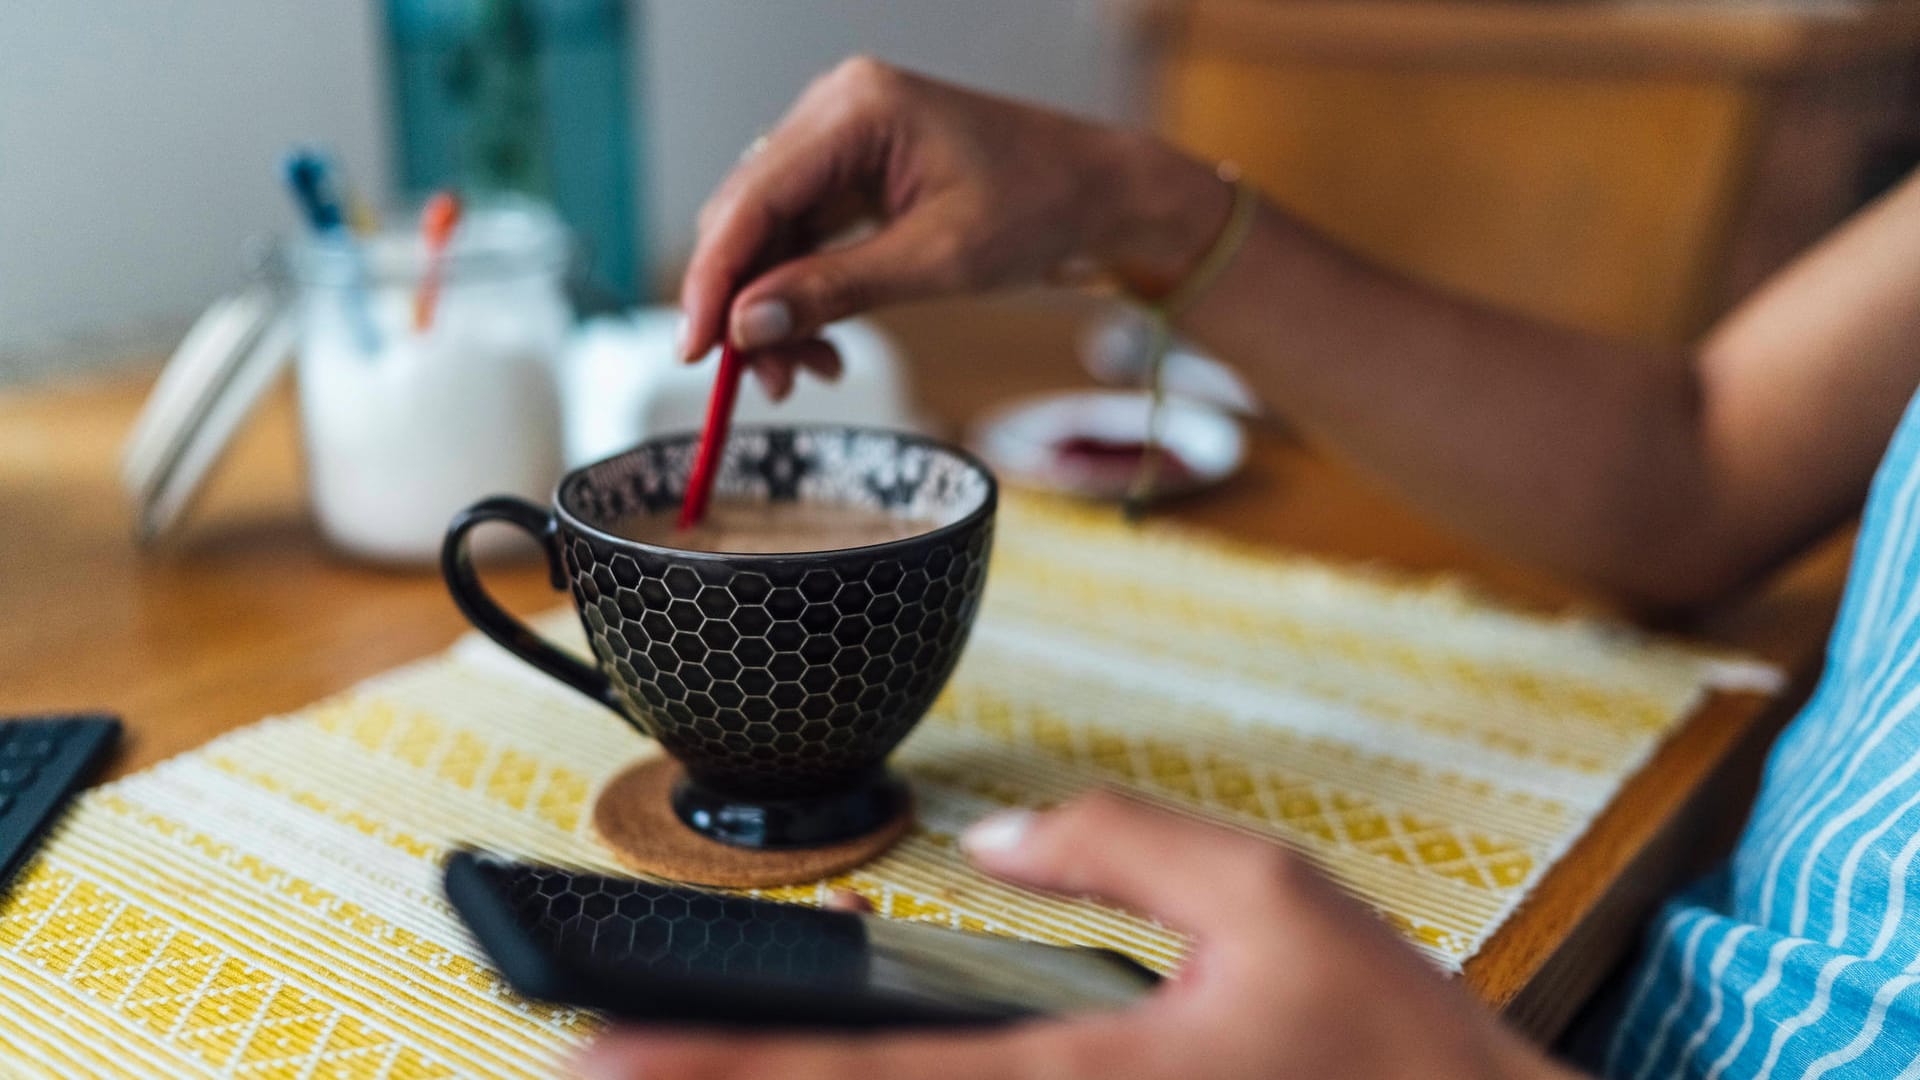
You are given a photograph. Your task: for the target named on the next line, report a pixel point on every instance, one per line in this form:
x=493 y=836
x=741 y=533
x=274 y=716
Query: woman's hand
x=967 y=192
x=1287 y=977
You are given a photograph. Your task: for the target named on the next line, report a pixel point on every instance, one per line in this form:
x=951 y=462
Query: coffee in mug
x=760 y=527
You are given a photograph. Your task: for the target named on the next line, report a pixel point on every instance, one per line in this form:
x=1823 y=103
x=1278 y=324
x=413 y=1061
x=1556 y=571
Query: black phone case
x=641 y=951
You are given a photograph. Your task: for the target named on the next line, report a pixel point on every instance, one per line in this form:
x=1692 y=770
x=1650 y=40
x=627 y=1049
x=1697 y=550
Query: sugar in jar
x=407 y=414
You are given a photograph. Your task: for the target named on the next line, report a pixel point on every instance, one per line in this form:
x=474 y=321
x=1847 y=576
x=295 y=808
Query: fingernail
x=997 y=833
x=849 y=901
x=765 y=322
x=680 y=338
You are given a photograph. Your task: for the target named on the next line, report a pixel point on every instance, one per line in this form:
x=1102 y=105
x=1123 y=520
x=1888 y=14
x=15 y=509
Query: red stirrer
x=706 y=460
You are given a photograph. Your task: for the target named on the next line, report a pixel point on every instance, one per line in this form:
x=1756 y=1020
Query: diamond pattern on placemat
x=1300 y=807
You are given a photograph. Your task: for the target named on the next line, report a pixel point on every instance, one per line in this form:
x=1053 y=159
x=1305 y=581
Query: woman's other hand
x=1286 y=977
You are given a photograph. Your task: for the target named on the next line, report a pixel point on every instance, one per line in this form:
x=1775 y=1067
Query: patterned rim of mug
x=574 y=483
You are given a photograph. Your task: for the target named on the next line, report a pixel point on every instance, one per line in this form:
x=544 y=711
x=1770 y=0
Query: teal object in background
x=528 y=96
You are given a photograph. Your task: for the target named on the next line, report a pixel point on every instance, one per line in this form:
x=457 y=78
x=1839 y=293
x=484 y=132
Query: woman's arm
x=1667 y=476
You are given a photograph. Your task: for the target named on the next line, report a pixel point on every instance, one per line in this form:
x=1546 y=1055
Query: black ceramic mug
x=780 y=682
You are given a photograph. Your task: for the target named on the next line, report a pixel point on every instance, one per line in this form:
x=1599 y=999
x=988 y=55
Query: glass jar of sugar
x=427 y=381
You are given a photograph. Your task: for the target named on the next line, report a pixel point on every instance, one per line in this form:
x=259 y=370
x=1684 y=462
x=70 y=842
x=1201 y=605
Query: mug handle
x=456 y=563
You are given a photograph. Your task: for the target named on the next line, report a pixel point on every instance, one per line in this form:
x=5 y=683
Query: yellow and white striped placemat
x=269 y=905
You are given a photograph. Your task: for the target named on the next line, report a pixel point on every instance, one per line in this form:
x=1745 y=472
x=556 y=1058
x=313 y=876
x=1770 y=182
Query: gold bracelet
x=1160 y=318
x=1232 y=237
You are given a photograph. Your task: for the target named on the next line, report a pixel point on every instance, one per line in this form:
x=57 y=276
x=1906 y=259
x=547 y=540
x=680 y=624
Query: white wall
x=139 y=147
x=718 y=72
x=140 y=141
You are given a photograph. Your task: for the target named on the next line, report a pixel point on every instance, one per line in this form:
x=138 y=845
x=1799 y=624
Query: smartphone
x=642 y=951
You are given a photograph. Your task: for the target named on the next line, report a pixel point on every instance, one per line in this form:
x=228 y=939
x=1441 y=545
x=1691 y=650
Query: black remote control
x=44 y=760
x=666 y=954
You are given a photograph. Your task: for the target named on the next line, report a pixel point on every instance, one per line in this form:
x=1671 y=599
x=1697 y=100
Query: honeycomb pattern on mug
x=778 y=676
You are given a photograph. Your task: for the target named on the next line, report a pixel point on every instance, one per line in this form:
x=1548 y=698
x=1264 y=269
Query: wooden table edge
x=1538 y=969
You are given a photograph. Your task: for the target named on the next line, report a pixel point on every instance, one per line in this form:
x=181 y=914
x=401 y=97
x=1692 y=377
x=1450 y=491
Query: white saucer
x=1021 y=441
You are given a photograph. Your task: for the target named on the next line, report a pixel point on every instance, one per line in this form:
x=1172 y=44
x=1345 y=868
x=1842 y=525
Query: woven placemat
x=269 y=905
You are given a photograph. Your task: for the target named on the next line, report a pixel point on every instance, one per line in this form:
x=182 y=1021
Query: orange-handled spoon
x=437 y=221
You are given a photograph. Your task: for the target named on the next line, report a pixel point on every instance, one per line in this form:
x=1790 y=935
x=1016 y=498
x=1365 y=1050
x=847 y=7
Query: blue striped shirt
x=1802 y=957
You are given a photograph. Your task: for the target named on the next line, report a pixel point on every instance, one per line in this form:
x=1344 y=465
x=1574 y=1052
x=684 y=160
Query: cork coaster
x=634 y=816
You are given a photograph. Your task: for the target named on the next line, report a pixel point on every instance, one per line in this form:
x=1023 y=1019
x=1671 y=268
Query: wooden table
x=247 y=614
